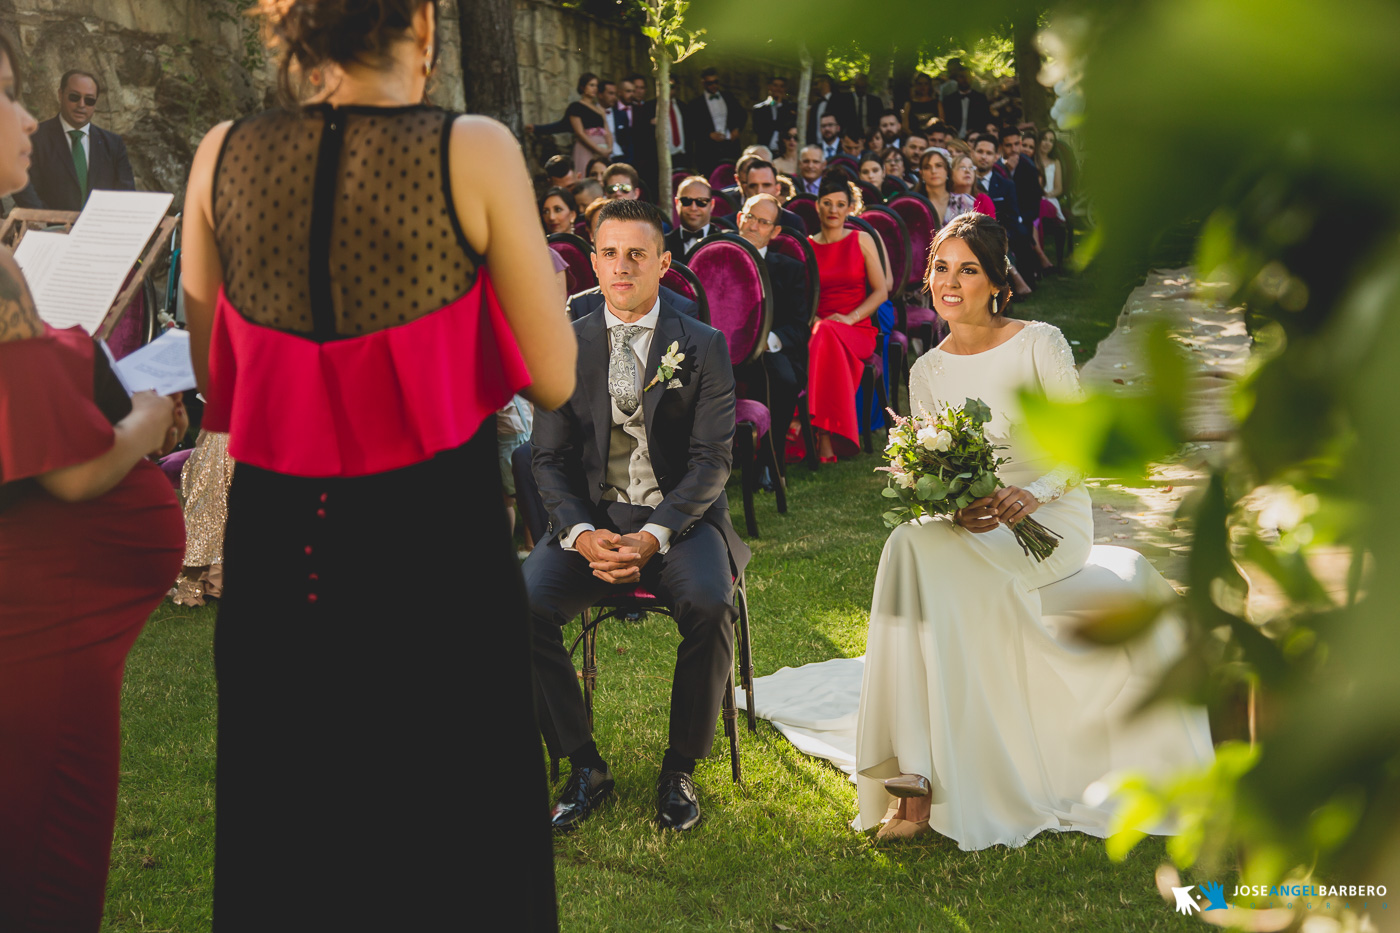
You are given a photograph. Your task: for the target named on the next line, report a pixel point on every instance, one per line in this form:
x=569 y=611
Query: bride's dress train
x=971 y=676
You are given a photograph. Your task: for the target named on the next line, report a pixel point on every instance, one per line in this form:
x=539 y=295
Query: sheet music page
x=164 y=364
x=38 y=253
x=103 y=245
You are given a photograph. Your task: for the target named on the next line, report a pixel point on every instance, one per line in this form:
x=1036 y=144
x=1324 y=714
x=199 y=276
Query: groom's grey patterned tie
x=622 y=367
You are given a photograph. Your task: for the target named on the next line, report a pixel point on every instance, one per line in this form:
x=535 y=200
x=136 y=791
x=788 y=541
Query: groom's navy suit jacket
x=690 y=433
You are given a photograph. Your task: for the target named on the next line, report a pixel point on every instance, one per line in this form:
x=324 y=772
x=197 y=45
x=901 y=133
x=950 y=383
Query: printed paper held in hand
x=76 y=277
x=163 y=364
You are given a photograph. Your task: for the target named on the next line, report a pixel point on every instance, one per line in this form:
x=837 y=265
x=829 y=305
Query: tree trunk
x=905 y=62
x=662 y=59
x=804 y=94
x=1035 y=97
x=880 y=64
x=490 y=78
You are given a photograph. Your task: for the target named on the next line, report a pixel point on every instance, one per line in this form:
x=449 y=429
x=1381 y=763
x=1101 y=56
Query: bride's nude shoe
x=904 y=829
x=909 y=785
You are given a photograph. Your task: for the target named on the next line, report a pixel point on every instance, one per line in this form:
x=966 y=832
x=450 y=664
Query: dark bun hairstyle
x=313 y=33
x=836 y=181
x=988 y=241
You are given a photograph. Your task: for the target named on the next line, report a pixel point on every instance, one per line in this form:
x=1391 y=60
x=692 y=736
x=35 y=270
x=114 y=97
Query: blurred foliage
x=1274 y=127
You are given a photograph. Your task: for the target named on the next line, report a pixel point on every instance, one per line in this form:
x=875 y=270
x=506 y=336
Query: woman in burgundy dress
x=852 y=288
x=90 y=537
x=366 y=285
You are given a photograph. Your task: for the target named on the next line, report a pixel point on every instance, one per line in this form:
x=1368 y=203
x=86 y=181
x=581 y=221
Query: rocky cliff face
x=168 y=70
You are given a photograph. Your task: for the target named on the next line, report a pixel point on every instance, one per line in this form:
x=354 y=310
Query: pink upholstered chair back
x=722 y=176
x=869 y=193
x=735 y=278
x=577 y=254
x=793 y=244
x=917 y=214
x=679 y=279
x=722 y=204
x=895 y=237
x=676 y=178
x=805 y=206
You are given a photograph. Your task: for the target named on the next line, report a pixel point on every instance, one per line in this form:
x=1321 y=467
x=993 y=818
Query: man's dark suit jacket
x=1028 y=190
x=590 y=300
x=673 y=245
x=1002 y=191
x=706 y=152
x=690 y=433
x=840 y=106
x=792 y=306
x=623 y=135
x=764 y=124
x=53 y=181
x=979 y=112
x=874 y=106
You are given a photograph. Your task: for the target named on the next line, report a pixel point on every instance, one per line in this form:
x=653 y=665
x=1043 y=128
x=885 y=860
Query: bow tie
x=714 y=97
x=688 y=235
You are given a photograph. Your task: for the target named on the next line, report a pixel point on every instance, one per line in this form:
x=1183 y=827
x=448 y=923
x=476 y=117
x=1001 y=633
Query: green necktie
x=79 y=160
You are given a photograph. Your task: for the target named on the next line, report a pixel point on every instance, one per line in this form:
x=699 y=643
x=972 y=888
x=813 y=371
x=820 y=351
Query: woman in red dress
x=366 y=286
x=90 y=537
x=852 y=288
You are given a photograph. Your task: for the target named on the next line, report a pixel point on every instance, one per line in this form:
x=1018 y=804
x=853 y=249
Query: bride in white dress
x=988 y=721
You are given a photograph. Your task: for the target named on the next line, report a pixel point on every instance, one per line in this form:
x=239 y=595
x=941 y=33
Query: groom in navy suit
x=632 y=472
x=72 y=157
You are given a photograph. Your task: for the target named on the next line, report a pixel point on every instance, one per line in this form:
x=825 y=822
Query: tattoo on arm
x=18 y=319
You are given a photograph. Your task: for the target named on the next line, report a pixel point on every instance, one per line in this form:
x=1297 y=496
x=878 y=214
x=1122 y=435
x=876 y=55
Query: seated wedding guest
x=810 y=170
x=557 y=211
x=965 y=182
x=921 y=106
x=889 y=129
x=913 y=149
x=762 y=178
x=1001 y=191
x=621 y=182
x=1022 y=171
x=872 y=170
x=785 y=363
x=852 y=143
x=762 y=152
x=79 y=501
x=874 y=139
x=635 y=493
x=560 y=171
x=939 y=134
x=956 y=147
x=786 y=164
x=597 y=168
x=693 y=206
x=204 y=482
x=893 y=160
x=786 y=189
x=590 y=214
x=72 y=158
x=357 y=433
x=585 y=192
x=936 y=184
x=852 y=288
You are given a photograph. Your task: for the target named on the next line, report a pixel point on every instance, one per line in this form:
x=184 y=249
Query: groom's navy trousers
x=692 y=577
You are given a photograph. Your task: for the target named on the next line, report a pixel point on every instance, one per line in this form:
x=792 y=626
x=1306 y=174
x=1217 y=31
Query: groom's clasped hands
x=616 y=558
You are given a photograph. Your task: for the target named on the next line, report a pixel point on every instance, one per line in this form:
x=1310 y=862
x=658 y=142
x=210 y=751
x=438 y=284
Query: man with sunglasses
x=694 y=202
x=622 y=183
x=71 y=157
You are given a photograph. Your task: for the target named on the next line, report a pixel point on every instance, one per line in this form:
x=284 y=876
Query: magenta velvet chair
x=921 y=320
x=735 y=278
x=874 y=379
x=722 y=176
x=804 y=205
x=869 y=194
x=577 y=254
x=792 y=243
x=679 y=279
x=895 y=238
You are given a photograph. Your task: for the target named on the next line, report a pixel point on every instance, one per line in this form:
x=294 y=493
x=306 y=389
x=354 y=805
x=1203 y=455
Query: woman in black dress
x=921 y=106
x=366 y=285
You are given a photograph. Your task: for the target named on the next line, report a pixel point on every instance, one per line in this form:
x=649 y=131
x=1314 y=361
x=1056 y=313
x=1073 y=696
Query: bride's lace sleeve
x=1054 y=367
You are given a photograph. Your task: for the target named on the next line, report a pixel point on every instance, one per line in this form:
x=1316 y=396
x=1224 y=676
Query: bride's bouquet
x=941 y=463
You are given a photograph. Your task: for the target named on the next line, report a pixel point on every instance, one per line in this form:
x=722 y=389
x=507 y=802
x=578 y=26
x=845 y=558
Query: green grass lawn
x=775 y=853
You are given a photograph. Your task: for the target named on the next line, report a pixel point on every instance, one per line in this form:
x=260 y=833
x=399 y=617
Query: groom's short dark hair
x=643 y=211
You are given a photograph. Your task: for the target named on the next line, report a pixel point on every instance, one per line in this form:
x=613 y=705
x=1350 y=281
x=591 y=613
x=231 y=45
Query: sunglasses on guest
x=74 y=97
x=620 y=189
x=694 y=202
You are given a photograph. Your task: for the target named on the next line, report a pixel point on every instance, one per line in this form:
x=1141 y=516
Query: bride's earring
x=427 y=65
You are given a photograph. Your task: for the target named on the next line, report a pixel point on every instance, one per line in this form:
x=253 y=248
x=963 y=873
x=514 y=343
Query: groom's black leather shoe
x=583 y=793
x=677 y=803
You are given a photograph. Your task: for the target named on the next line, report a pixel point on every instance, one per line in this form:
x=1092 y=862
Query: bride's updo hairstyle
x=310 y=34
x=988 y=242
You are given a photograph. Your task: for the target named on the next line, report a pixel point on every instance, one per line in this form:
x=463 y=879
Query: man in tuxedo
x=774 y=116
x=1002 y=190
x=830 y=131
x=1023 y=172
x=852 y=143
x=827 y=101
x=810 y=166
x=620 y=122
x=71 y=157
x=785 y=363
x=694 y=202
x=863 y=105
x=966 y=109
x=914 y=145
x=715 y=119
x=889 y=127
x=632 y=472
x=762 y=178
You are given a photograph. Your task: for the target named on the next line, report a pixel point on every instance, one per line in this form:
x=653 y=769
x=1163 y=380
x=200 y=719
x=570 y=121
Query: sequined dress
x=371 y=652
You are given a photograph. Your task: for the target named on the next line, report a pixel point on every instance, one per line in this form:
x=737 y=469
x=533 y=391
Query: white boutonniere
x=670 y=362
